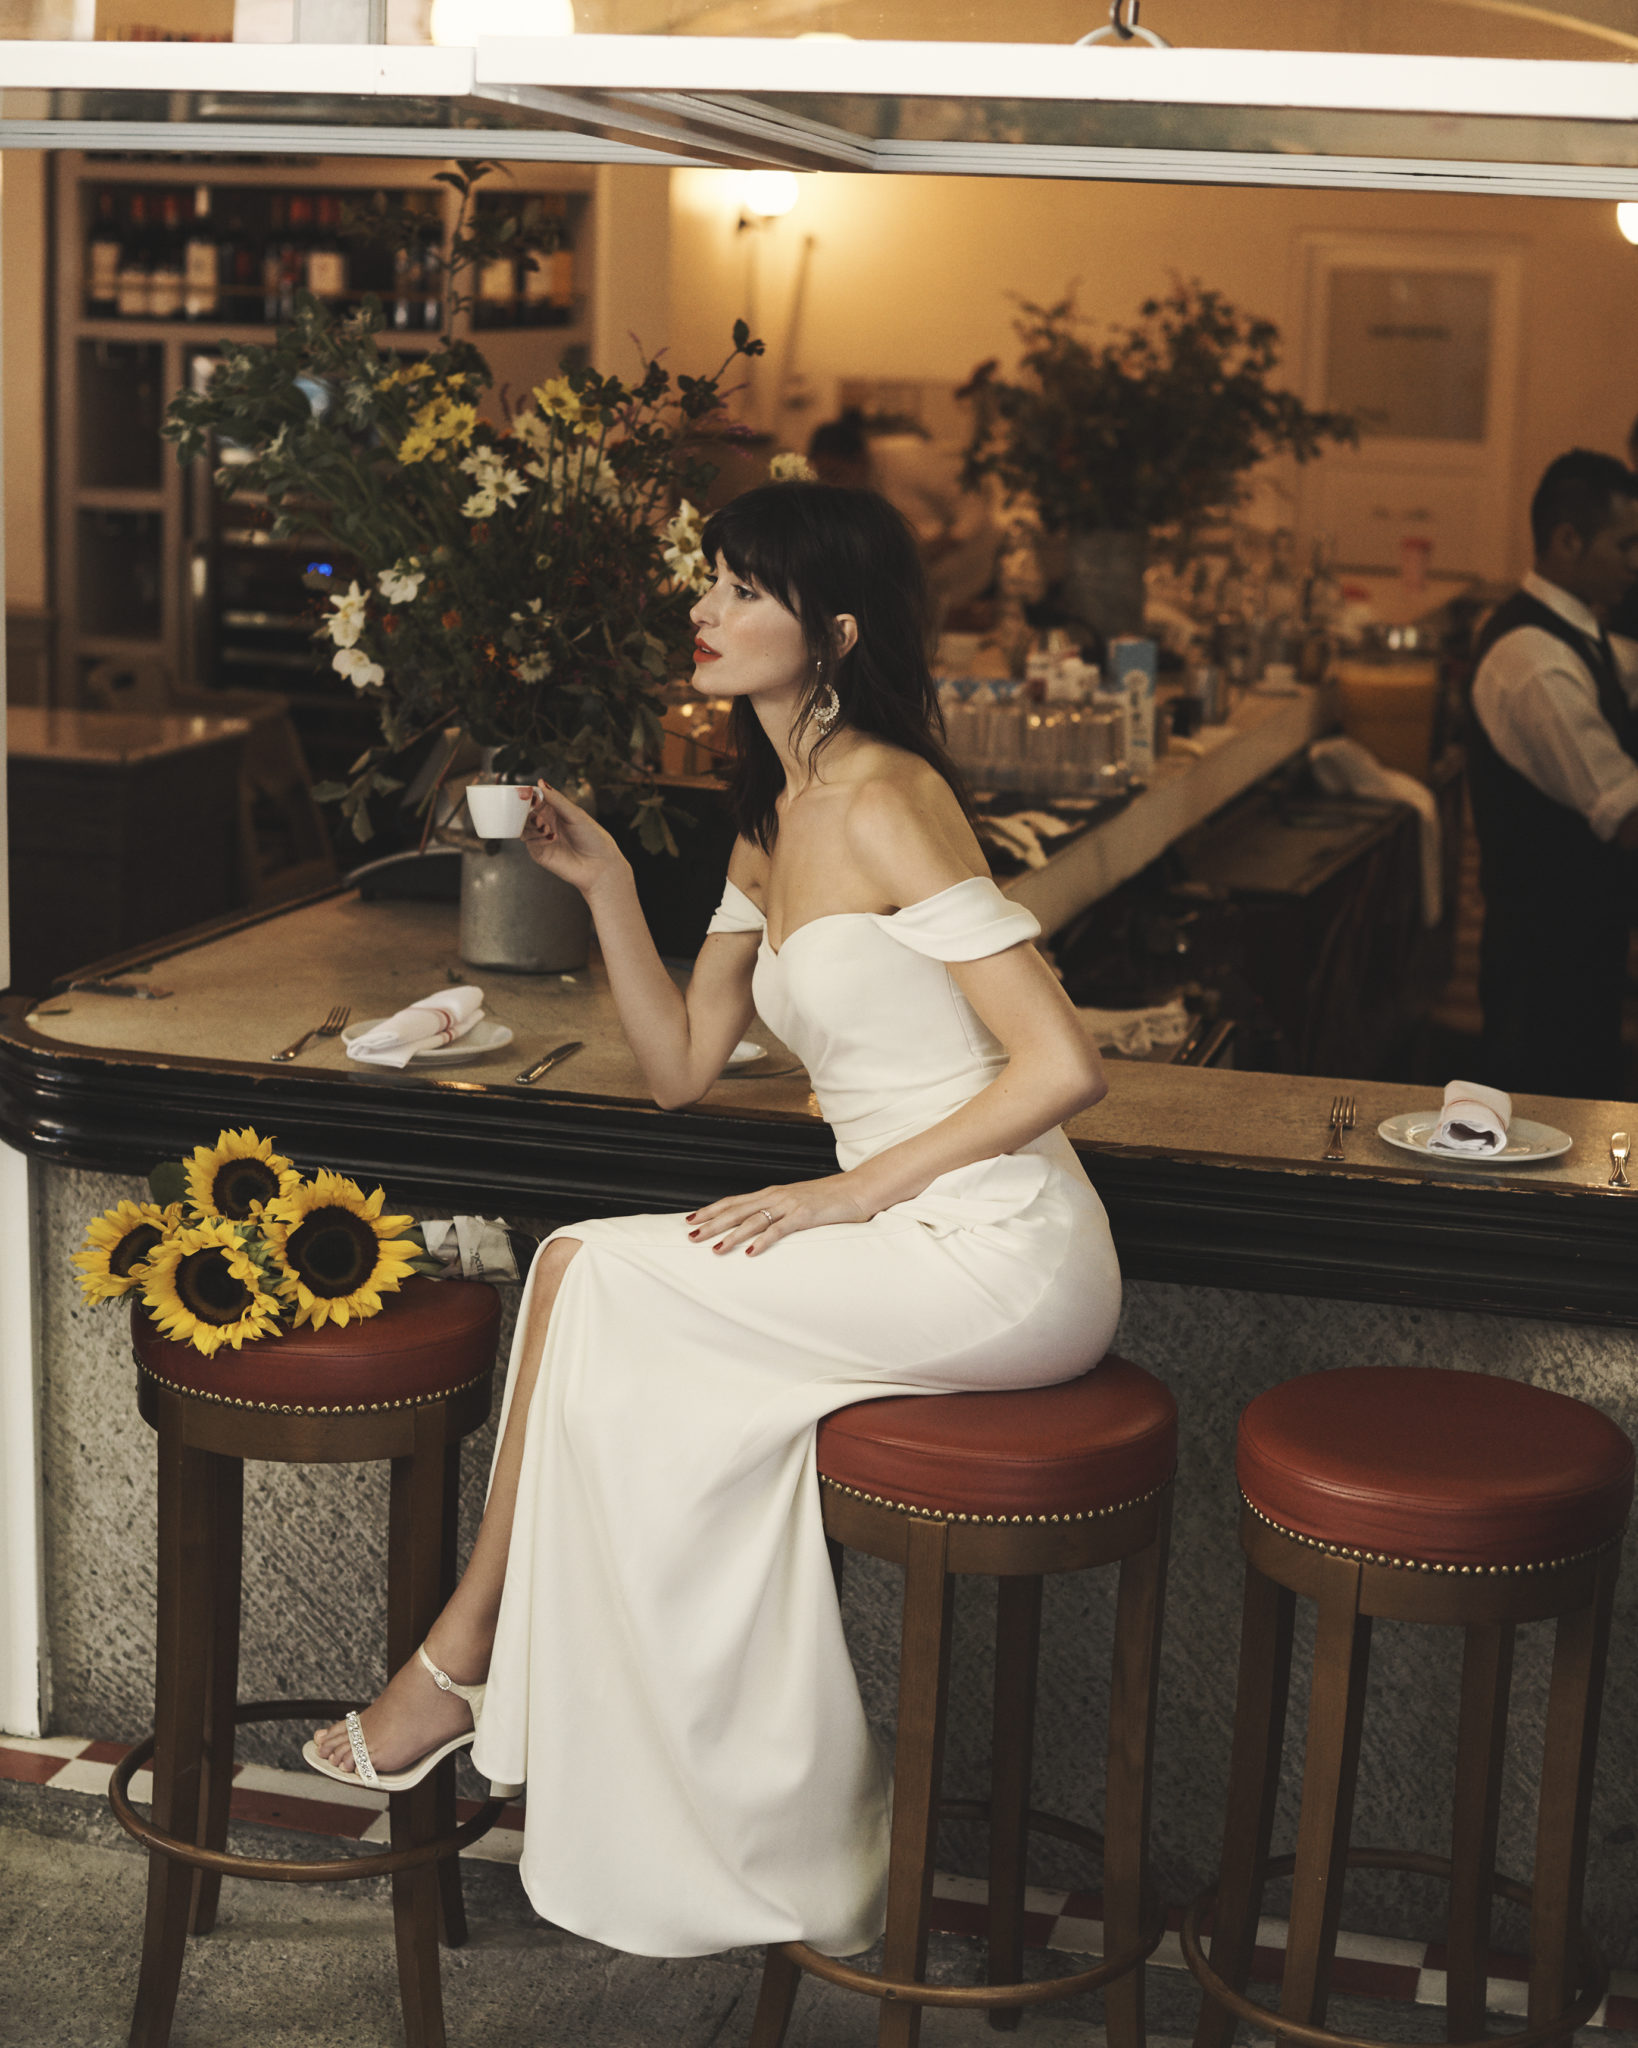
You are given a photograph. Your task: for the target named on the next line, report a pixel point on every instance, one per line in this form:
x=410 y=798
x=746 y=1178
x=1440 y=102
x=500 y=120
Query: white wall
x=911 y=277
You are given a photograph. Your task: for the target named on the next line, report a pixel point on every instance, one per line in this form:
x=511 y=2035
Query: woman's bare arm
x=681 y=1039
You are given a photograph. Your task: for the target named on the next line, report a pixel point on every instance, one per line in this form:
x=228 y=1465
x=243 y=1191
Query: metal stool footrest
x=1037 y=1991
x=1594 y=1971
x=265 y=1869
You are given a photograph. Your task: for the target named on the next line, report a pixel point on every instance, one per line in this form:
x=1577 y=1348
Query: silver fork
x=1620 y=1152
x=1342 y=1119
x=330 y=1028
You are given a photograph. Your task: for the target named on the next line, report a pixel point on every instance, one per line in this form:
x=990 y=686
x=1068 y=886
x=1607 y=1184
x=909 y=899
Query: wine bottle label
x=326 y=273
x=103 y=270
x=165 y=294
x=132 y=293
x=497 y=279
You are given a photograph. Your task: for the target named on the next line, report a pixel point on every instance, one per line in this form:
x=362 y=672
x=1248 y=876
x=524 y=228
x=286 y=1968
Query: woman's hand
x=569 y=842
x=760 y=1220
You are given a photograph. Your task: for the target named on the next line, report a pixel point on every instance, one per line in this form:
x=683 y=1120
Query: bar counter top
x=1210 y=1176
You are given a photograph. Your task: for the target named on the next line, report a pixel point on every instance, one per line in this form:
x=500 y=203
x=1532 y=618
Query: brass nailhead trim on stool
x=1416 y=1564
x=904 y=1507
x=325 y=1408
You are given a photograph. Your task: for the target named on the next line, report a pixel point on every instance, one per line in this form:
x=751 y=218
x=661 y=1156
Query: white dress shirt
x=1538 y=702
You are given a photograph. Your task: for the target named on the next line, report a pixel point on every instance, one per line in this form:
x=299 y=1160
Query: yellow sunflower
x=233 y=1179
x=203 y=1288
x=336 y=1251
x=117 y=1247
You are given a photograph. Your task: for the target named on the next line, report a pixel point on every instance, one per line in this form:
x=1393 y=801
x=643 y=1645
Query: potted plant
x=1155 y=428
x=528 y=569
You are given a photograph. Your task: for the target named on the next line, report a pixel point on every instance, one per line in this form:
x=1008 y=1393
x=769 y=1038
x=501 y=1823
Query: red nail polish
x=694 y=1235
x=717 y=1247
x=749 y=1249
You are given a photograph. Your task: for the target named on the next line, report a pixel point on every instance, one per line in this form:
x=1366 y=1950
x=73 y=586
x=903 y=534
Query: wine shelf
x=161 y=264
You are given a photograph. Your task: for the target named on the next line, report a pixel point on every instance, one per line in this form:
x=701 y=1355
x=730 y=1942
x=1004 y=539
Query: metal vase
x=516 y=916
x=1103 y=579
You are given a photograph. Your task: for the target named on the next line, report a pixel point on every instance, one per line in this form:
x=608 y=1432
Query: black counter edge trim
x=1511 y=1250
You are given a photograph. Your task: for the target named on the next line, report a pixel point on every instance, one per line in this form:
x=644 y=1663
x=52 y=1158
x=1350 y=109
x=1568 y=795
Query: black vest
x=1530 y=845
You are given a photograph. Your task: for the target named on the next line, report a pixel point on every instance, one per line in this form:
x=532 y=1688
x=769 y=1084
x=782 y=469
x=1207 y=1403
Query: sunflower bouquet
x=237 y=1244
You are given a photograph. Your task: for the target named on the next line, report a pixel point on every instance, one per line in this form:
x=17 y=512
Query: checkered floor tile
x=1368 y=1965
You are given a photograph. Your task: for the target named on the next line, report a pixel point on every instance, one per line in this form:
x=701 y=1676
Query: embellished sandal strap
x=472 y=1694
x=361 y=1755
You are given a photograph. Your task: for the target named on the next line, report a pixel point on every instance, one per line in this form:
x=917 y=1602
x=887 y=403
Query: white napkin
x=475 y=1247
x=1136 y=1032
x=1474 y=1119
x=1344 y=768
x=437 y=1019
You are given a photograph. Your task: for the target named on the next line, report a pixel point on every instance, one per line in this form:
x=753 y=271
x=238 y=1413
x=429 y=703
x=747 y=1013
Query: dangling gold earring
x=830 y=708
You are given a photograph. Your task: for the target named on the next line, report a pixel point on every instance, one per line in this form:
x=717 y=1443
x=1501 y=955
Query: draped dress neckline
x=739 y=914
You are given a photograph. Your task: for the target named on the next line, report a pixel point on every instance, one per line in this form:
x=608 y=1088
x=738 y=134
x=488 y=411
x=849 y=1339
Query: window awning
x=1249 y=117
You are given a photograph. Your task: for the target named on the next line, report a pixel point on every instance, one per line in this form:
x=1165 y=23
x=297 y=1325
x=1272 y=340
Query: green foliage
x=529 y=580
x=168 y=1182
x=1156 y=427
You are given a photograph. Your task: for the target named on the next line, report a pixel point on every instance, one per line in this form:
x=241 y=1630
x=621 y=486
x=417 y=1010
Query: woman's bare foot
x=410 y=1719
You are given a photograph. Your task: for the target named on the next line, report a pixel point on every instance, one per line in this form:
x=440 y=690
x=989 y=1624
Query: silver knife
x=558 y=1052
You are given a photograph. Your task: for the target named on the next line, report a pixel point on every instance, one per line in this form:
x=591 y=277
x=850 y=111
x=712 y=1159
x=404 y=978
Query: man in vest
x=1553 y=773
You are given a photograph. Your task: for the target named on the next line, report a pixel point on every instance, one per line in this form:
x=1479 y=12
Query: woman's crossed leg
x=413 y=1716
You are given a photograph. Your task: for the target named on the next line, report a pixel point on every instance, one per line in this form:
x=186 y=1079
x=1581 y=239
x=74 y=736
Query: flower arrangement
x=527 y=571
x=1158 y=426
x=237 y=1245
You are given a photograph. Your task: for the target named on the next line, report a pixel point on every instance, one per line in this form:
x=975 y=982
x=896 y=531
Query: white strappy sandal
x=403 y=1781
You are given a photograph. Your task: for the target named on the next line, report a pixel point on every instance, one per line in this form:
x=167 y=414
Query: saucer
x=1527 y=1143
x=485 y=1036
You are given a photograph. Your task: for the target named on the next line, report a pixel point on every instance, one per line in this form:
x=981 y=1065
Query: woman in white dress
x=649 y=1596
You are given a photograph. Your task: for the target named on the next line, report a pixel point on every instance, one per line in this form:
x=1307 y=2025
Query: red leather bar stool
x=1012 y=1485
x=1416 y=1495
x=406 y=1385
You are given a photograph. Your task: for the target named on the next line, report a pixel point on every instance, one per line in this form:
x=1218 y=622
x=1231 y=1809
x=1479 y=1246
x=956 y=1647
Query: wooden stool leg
x=1133 y=1690
x=1573 y=1701
x=414 y=1575
x=776 y=2001
x=227 y=1509
x=185 y=1562
x=1017 y=1654
x=1336 y=1712
x=451 y=1904
x=1254 y=1782
x=1481 y=1741
x=924 y=1674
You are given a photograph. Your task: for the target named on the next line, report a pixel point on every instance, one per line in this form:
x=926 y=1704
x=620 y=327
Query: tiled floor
x=1369 y=1966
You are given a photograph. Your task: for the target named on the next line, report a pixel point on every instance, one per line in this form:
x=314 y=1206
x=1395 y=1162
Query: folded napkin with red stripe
x=437 y=1019
x=1474 y=1119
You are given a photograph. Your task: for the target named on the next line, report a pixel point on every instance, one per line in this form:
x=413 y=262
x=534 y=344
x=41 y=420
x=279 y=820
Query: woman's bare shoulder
x=905 y=827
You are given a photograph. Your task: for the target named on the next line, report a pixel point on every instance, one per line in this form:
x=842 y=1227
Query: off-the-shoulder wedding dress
x=669 y=1674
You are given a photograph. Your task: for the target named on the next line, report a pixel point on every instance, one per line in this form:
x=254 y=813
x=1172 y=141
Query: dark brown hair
x=819 y=551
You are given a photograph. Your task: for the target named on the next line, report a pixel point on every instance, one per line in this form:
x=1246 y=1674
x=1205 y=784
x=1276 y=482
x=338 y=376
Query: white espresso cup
x=498 y=810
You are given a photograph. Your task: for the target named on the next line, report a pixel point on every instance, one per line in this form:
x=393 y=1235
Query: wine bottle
x=535 y=269
x=102 y=260
x=272 y=259
x=201 y=263
x=497 y=292
x=293 y=252
x=432 y=269
x=240 y=272
x=135 y=261
x=165 y=289
x=327 y=259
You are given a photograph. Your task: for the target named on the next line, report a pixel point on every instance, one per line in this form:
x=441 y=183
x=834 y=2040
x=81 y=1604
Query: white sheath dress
x=670 y=1674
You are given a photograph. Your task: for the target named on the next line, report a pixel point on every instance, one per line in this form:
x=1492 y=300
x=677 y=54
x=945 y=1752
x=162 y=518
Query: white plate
x=1526 y=1142
x=745 y=1052
x=485 y=1036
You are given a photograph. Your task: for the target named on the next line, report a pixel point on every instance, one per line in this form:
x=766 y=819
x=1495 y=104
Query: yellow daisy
x=336 y=1252
x=203 y=1288
x=118 y=1245
x=236 y=1176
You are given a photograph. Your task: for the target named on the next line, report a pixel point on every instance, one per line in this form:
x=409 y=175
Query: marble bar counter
x=1247 y=1260
x=1210 y=1177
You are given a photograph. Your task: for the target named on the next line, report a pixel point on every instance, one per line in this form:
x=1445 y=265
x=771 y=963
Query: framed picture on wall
x=1418 y=337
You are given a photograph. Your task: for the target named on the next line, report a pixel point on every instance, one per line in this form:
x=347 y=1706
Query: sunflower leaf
x=168 y=1182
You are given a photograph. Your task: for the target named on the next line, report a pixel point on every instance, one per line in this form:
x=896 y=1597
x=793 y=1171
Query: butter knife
x=558 y=1052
